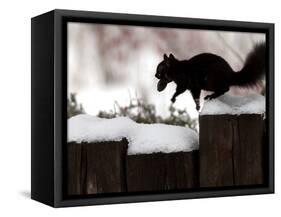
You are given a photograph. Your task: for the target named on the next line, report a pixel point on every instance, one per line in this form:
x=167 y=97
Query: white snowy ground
x=142 y=138
x=235 y=105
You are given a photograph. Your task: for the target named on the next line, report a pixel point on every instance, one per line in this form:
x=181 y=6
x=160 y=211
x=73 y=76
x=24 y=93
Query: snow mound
x=153 y=138
x=142 y=138
x=235 y=105
x=86 y=128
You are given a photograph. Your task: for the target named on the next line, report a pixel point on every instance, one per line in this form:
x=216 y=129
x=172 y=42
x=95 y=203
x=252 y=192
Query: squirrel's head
x=164 y=71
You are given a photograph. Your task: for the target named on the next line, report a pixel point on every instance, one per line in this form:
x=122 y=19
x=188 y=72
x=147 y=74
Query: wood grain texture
x=105 y=167
x=74 y=153
x=215 y=151
x=249 y=152
x=160 y=172
x=94 y=168
x=231 y=150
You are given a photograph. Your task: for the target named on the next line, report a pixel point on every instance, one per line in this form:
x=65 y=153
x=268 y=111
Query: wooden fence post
x=162 y=172
x=231 y=150
x=96 y=167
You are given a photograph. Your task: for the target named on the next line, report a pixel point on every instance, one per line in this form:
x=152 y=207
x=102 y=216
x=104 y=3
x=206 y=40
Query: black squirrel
x=210 y=72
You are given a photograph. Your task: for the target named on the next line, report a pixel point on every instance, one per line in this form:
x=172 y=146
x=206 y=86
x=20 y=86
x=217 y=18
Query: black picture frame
x=49 y=101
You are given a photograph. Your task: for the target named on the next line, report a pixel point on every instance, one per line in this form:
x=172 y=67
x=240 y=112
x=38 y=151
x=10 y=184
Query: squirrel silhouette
x=207 y=71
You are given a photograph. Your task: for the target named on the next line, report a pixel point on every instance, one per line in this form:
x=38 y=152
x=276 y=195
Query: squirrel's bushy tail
x=254 y=68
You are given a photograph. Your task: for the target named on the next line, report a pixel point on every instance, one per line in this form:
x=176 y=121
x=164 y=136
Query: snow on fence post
x=231 y=150
x=96 y=167
x=162 y=171
x=152 y=157
x=162 y=157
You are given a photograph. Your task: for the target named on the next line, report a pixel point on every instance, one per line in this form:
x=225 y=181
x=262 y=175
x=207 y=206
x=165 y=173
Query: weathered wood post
x=231 y=150
x=162 y=171
x=96 y=167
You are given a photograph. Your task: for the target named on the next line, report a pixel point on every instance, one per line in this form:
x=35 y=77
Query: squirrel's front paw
x=197 y=107
x=173 y=100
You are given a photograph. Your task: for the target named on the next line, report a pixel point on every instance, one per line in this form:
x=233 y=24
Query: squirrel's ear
x=165 y=57
x=171 y=56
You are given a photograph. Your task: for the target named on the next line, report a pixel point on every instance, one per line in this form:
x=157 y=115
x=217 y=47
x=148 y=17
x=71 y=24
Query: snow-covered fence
x=232 y=147
x=152 y=157
x=159 y=157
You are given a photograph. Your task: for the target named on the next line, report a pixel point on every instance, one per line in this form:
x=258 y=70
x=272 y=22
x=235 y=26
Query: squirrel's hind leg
x=196 y=97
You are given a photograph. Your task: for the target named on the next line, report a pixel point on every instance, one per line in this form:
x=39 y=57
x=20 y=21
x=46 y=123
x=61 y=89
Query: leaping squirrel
x=210 y=72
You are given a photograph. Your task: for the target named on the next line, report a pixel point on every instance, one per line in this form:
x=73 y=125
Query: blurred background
x=111 y=69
